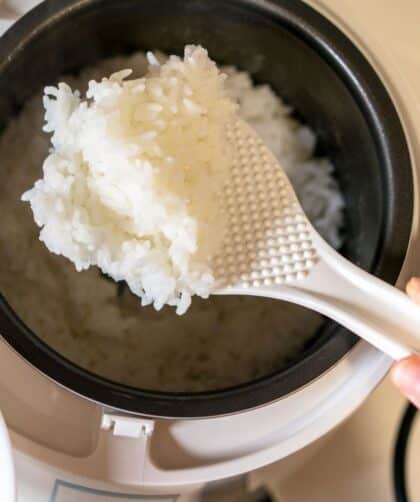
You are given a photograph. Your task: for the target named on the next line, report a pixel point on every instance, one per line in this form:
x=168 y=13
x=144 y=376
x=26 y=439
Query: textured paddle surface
x=269 y=237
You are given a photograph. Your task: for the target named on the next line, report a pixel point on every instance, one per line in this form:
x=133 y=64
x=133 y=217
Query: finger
x=406 y=376
x=413 y=289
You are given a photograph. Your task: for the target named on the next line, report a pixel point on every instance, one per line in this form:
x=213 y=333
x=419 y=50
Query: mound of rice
x=133 y=178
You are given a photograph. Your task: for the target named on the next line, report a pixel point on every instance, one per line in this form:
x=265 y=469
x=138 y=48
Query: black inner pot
x=308 y=62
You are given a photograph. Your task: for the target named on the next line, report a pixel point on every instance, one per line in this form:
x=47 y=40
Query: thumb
x=406 y=373
x=406 y=376
x=413 y=289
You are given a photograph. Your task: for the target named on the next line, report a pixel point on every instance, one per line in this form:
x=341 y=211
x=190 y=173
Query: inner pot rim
x=379 y=111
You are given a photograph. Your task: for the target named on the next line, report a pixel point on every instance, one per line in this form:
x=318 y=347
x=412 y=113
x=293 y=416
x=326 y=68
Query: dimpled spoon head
x=269 y=238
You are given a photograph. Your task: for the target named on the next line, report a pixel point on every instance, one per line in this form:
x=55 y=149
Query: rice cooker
x=70 y=435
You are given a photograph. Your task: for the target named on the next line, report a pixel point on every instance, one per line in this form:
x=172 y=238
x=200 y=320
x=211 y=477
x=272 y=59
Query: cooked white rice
x=133 y=180
x=220 y=341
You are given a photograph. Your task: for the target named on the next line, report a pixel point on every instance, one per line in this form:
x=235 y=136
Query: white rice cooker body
x=66 y=446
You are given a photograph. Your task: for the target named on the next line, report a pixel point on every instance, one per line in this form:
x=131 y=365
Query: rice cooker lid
x=347 y=59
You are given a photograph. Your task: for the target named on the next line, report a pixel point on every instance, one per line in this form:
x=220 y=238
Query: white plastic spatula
x=272 y=250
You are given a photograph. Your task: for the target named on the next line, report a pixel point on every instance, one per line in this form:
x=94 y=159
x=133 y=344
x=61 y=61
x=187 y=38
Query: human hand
x=406 y=373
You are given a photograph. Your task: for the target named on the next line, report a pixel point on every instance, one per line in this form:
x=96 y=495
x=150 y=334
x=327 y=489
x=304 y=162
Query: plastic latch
x=127 y=426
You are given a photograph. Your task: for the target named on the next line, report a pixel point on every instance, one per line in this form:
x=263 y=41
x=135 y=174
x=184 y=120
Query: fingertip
x=406 y=376
x=413 y=289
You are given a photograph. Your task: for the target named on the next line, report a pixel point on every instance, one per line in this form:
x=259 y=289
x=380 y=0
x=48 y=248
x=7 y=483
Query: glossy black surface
x=306 y=60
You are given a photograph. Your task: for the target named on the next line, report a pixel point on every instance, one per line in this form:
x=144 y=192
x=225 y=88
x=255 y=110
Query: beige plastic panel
x=43 y=412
